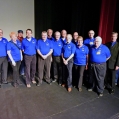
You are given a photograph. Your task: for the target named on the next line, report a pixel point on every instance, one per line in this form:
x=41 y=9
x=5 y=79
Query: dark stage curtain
x=75 y=15
x=107 y=18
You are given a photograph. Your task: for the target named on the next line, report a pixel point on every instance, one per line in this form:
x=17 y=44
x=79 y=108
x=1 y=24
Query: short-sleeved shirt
x=3 y=47
x=57 y=47
x=80 y=55
x=68 y=49
x=15 y=50
x=100 y=54
x=44 y=46
x=29 y=47
x=89 y=42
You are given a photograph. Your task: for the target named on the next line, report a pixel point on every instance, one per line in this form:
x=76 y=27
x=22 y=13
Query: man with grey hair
x=98 y=54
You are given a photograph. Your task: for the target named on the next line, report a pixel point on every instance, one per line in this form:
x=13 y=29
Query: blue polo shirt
x=63 y=41
x=68 y=49
x=100 y=54
x=57 y=47
x=80 y=55
x=3 y=47
x=89 y=42
x=44 y=46
x=50 y=38
x=15 y=52
x=29 y=47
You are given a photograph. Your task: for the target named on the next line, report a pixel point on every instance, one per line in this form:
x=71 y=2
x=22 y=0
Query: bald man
x=98 y=54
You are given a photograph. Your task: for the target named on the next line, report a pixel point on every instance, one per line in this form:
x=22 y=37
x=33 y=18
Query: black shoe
x=49 y=82
x=19 y=82
x=54 y=80
x=111 y=91
x=4 y=82
x=39 y=83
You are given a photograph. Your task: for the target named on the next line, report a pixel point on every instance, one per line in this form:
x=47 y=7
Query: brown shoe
x=69 y=89
x=63 y=85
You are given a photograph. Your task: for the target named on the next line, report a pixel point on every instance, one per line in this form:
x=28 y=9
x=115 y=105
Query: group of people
x=62 y=58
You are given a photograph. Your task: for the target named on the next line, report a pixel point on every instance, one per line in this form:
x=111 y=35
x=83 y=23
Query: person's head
x=98 y=41
x=114 y=36
x=44 y=35
x=13 y=36
x=57 y=35
x=1 y=33
x=49 y=33
x=20 y=33
x=91 y=34
x=69 y=38
x=28 y=33
x=63 y=33
x=75 y=35
x=80 y=40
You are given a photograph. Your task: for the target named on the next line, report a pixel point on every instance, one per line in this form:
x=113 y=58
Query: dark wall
x=75 y=15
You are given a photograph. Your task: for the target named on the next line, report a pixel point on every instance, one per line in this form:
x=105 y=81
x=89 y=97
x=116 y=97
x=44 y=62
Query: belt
x=3 y=57
x=30 y=55
x=98 y=63
x=56 y=56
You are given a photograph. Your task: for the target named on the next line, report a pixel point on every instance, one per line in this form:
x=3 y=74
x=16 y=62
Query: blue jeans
x=117 y=76
x=22 y=68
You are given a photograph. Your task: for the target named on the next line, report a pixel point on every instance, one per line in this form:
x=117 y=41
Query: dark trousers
x=57 y=68
x=79 y=71
x=30 y=68
x=67 y=73
x=15 y=71
x=110 y=78
x=97 y=75
x=44 y=68
x=3 y=69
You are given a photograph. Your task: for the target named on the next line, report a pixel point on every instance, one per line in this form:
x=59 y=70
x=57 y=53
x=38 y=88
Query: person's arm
x=21 y=55
x=51 y=51
x=117 y=63
x=11 y=58
x=87 y=57
x=71 y=56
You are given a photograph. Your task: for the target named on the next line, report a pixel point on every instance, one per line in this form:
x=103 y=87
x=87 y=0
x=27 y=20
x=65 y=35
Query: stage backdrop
x=15 y=15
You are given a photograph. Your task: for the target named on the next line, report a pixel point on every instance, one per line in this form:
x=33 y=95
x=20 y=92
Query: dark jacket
x=114 y=59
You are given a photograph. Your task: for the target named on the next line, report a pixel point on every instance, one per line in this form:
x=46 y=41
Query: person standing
x=3 y=58
x=90 y=41
x=80 y=62
x=50 y=34
x=22 y=66
x=57 y=59
x=112 y=63
x=67 y=56
x=63 y=36
x=98 y=54
x=44 y=50
x=29 y=50
x=15 y=57
x=75 y=36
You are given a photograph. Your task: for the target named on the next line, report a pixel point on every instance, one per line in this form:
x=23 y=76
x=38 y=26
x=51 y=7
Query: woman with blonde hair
x=15 y=57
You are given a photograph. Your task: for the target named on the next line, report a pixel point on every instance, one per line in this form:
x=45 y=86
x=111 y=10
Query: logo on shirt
x=4 y=41
x=33 y=41
x=47 y=44
x=98 y=52
x=82 y=49
x=59 y=44
x=69 y=46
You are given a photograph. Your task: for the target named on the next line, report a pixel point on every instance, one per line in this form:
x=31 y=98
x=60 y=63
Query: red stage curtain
x=107 y=16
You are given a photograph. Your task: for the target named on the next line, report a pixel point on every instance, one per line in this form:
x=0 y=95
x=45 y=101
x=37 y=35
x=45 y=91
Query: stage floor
x=54 y=102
